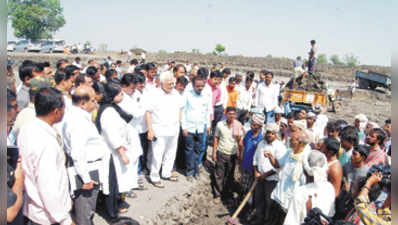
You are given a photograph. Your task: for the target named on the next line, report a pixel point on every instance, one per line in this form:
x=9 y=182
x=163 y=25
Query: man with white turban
x=318 y=193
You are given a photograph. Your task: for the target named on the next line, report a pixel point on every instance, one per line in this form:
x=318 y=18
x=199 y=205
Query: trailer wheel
x=363 y=84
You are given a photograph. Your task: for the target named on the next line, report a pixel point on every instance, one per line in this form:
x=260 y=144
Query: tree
x=195 y=51
x=322 y=58
x=335 y=59
x=351 y=60
x=219 y=49
x=35 y=19
x=102 y=47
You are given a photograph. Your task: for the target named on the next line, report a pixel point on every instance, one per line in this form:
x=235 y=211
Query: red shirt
x=216 y=93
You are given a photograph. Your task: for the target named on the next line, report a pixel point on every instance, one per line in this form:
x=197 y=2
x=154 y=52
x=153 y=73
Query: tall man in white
x=85 y=148
x=163 y=120
x=195 y=117
x=47 y=199
x=267 y=96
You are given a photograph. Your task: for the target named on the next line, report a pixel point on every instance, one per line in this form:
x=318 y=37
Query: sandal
x=158 y=184
x=131 y=194
x=173 y=179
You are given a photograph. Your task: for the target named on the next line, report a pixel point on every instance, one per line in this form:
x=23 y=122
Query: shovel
x=232 y=220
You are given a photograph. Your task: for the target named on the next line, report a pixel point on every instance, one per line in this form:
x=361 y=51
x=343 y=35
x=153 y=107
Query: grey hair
x=303 y=137
x=166 y=76
x=316 y=159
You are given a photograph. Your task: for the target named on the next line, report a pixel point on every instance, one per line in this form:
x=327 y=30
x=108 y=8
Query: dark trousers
x=262 y=198
x=277 y=214
x=193 y=146
x=180 y=162
x=112 y=200
x=311 y=64
x=224 y=175
x=145 y=146
x=84 y=206
x=218 y=114
x=241 y=115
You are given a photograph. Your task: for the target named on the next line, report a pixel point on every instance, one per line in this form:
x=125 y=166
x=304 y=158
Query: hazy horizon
x=249 y=28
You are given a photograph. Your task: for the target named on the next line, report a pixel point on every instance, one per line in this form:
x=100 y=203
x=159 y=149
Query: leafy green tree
x=335 y=59
x=322 y=58
x=219 y=49
x=351 y=60
x=35 y=19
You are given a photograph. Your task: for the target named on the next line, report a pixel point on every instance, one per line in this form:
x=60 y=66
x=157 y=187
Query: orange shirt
x=232 y=97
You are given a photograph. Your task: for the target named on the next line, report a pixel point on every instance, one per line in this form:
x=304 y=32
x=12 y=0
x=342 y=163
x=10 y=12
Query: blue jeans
x=203 y=147
x=311 y=64
x=270 y=117
x=193 y=147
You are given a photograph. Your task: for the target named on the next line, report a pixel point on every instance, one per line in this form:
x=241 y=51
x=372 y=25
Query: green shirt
x=227 y=144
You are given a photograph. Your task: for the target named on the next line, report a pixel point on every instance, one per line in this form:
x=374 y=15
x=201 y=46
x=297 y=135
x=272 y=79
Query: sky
x=281 y=28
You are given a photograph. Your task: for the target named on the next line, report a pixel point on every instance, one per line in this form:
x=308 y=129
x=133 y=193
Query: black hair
x=47 y=100
x=81 y=78
x=139 y=77
x=196 y=79
x=59 y=63
x=27 y=62
x=77 y=58
x=91 y=71
x=388 y=121
x=227 y=71
x=69 y=69
x=134 y=62
x=150 y=66
x=25 y=72
x=332 y=145
x=216 y=73
x=90 y=60
x=175 y=69
x=102 y=66
x=269 y=72
x=39 y=67
x=110 y=73
x=313 y=41
x=230 y=109
x=203 y=72
x=381 y=135
x=46 y=64
x=111 y=91
x=127 y=79
x=250 y=74
x=99 y=87
x=341 y=124
x=249 y=79
x=76 y=99
x=60 y=76
x=290 y=115
x=264 y=71
x=118 y=62
x=331 y=126
x=349 y=134
x=182 y=80
x=231 y=79
x=11 y=96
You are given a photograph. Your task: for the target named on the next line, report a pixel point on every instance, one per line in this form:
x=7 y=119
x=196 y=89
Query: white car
x=53 y=46
x=11 y=46
x=28 y=46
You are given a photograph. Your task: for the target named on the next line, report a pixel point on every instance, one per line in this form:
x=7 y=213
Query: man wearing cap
x=330 y=148
x=360 y=124
x=314 y=134
x=266 y=173
x=278 y=115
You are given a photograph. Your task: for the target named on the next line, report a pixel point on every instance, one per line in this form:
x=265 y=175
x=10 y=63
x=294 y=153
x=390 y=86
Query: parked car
x=28 y=46
x=11 y=46
x=51 y=46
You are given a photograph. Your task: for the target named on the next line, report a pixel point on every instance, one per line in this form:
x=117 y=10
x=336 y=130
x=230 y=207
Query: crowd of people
x=83 y=138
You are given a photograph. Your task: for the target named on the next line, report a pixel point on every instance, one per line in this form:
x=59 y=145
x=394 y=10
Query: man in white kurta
x=163 y=121
x=267 y=96
x=319 y=193
x=46 y=197
x=86 y=149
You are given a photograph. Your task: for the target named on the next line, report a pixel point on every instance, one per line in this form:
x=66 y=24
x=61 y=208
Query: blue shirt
x=250 y=144
x=196 y=111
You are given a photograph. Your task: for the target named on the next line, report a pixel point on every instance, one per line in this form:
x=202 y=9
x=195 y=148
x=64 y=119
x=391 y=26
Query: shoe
x=158 y=184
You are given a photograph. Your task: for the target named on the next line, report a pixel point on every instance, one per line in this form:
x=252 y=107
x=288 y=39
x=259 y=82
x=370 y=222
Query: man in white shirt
x=47 y=199
x=195 y=118
x=85 y=149
x=133 y=64
x=267 y=96
x=77 y=63
x=163 y=120
x=291 y=174
x=143 y=57
x=245 y=100
x=188 y=66
x=266 y=173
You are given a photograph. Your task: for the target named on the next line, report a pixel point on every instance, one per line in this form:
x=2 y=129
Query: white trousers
x=162 y=155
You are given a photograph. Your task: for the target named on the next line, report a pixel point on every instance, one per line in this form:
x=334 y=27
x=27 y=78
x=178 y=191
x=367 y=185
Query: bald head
x=84 y=97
